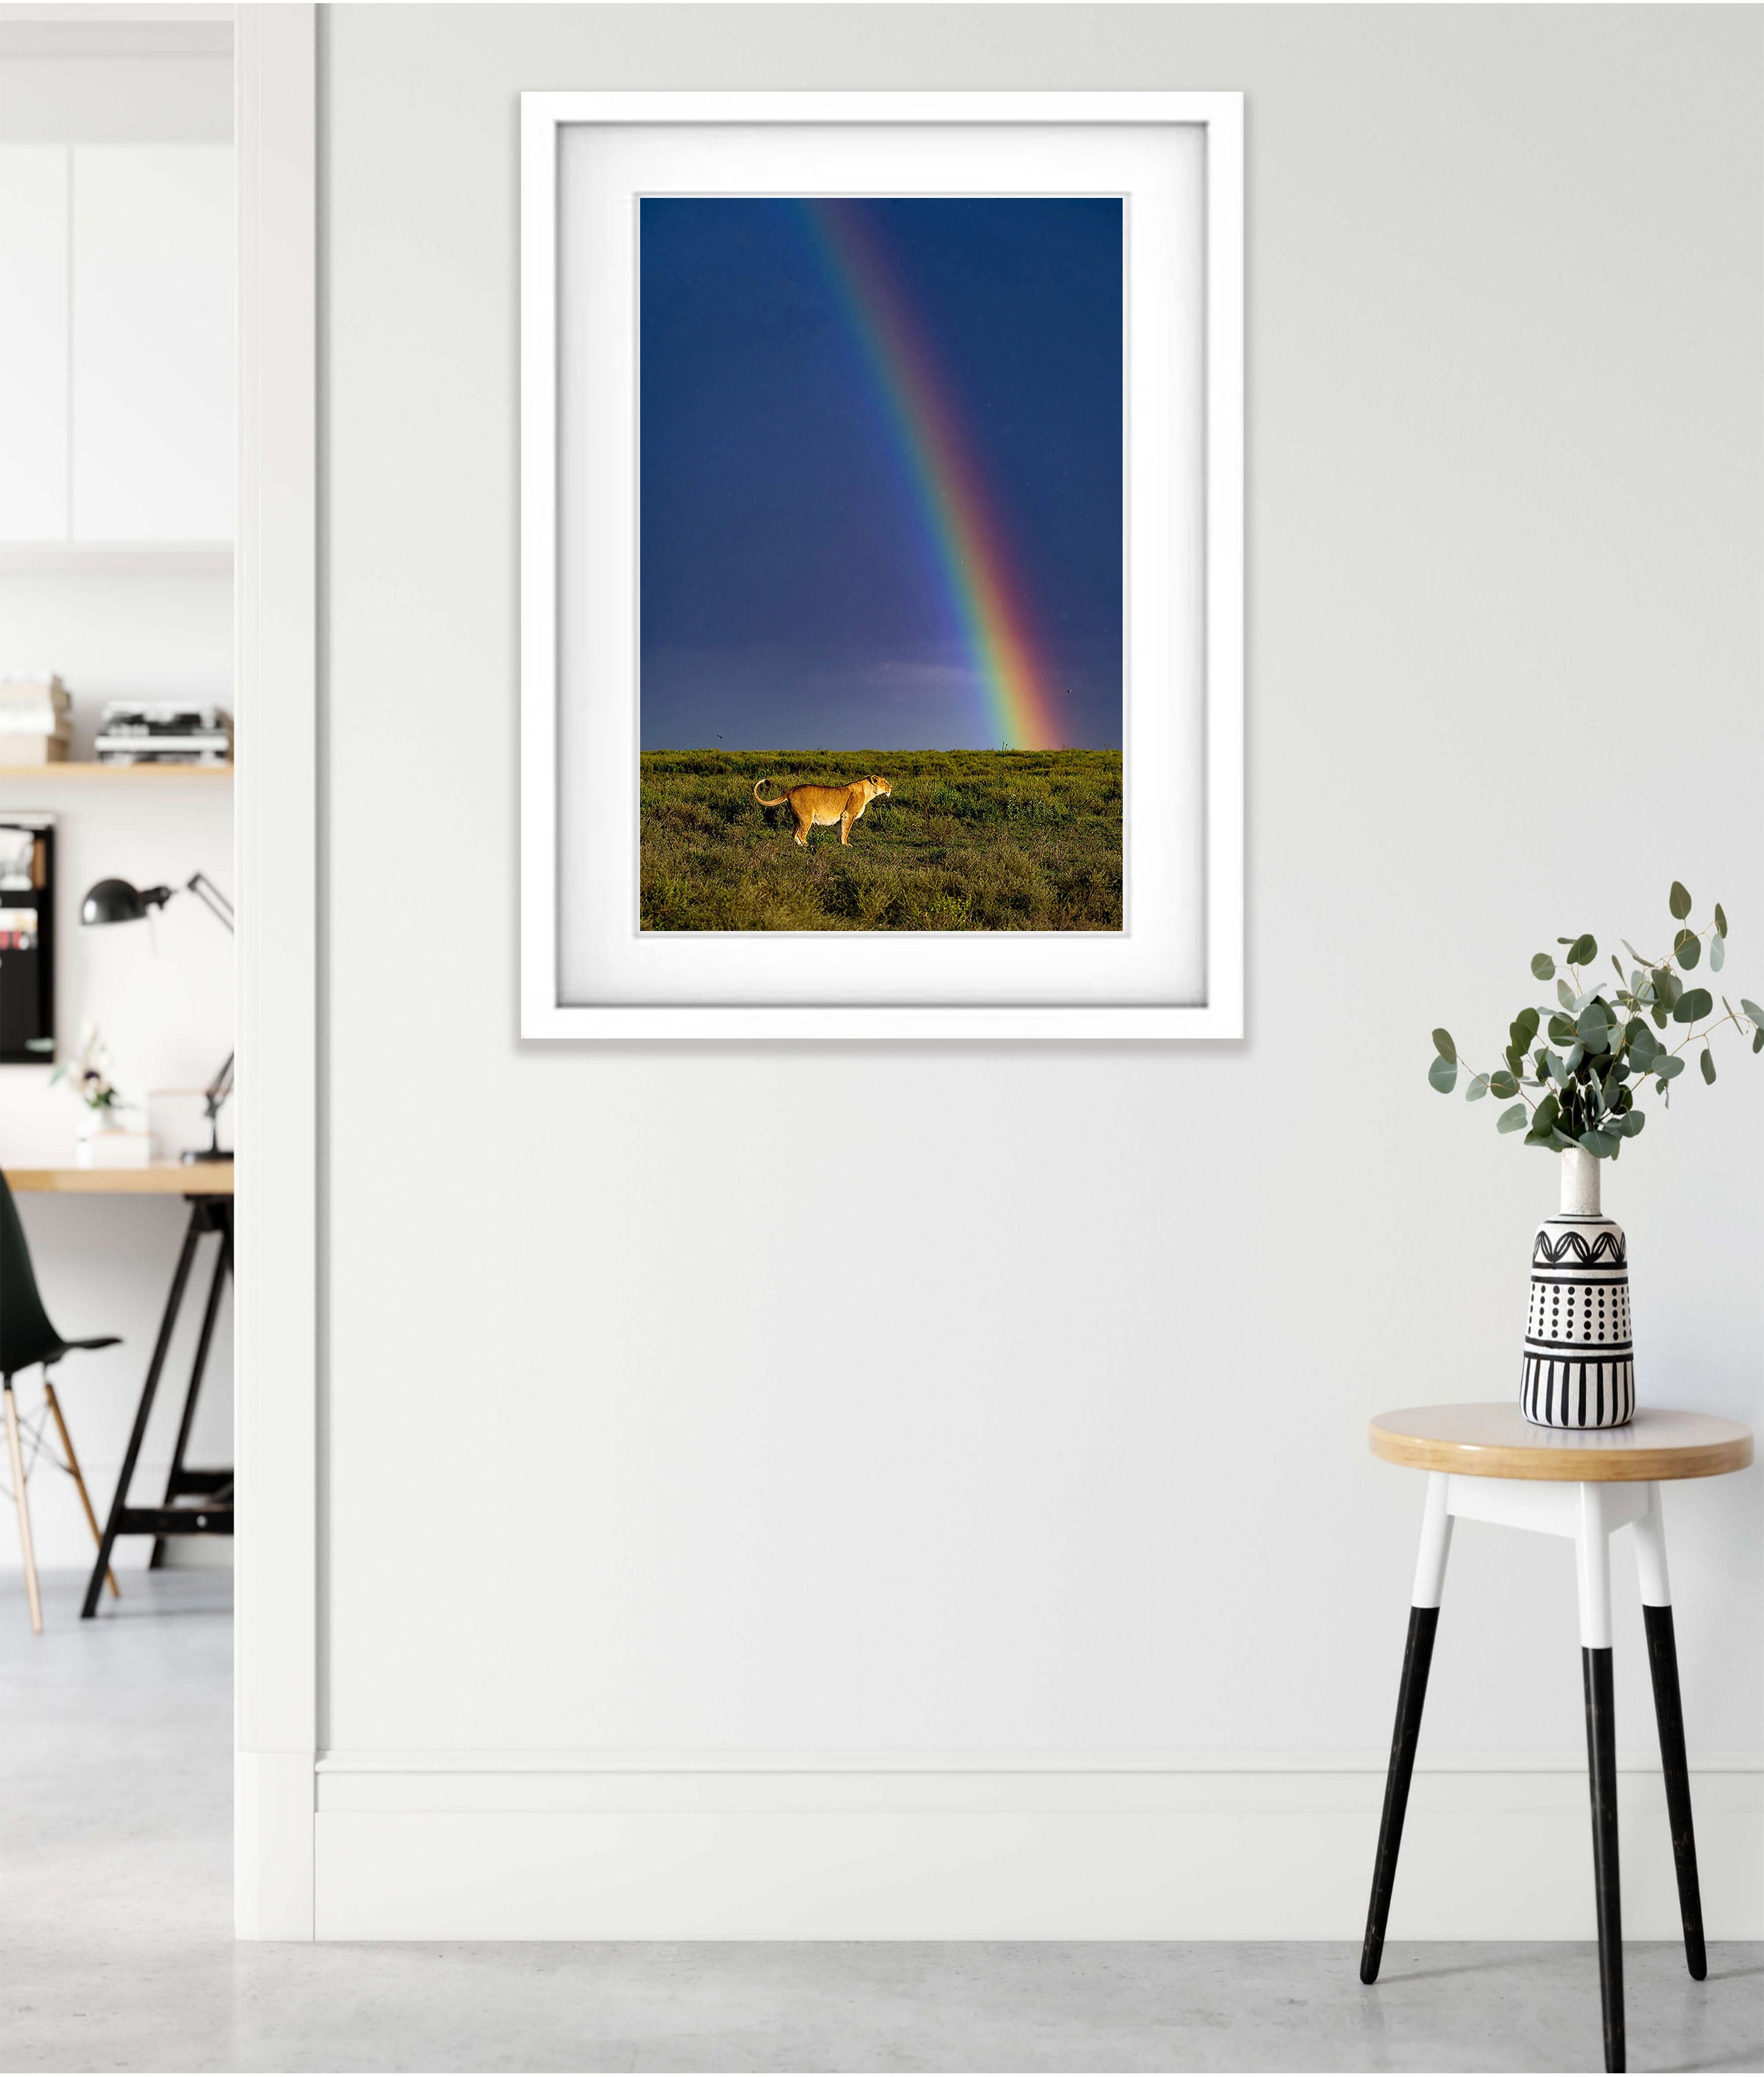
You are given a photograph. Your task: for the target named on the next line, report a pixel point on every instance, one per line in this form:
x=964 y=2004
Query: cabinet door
x=153 y=446
x=33 y=342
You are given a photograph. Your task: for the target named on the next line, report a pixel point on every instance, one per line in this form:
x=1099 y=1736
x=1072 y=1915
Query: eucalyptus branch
x=1731 y=1018
x=1588 y=1088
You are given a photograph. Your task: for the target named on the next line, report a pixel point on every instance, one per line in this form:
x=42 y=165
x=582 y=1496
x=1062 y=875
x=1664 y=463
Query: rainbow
x=973 y=548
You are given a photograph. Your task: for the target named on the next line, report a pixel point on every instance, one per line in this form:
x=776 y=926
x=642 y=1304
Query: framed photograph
x=882 y=566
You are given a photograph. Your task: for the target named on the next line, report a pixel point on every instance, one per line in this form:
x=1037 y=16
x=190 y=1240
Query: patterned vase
x=1580 y=1367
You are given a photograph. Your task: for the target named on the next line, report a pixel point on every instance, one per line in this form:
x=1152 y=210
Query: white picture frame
x=1184 y=978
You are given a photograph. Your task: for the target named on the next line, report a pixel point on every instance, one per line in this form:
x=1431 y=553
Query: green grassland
x=968 y=840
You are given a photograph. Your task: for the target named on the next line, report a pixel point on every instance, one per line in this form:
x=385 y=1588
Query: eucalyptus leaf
x=1443 y=1074
x=1584 y=950
x=1501 y=1083
x=1687 y=949
x=1752 y=1009
x=1600 y=1145
x=1559 y=1138
x=1543 y=967
x=1633 y=1122
x=1707 y=1065
x=1757 y=1040
x=1510 y=1121
x=1668 y=1065
x=1476 y=1089
x=1618 y=964
x=1720 y=920
x=1643 y=1051
x=1633 y=954
x=1563 y=1031
x=1693 y=1003
x=1680 y=901
x=1717 y=953
x=1524 y=1028
x=1564 y=996
x=1546 y=1113
x=1535 y=1138
x=1443 y=1045
x=1575 y=1055
x=1595 y=1027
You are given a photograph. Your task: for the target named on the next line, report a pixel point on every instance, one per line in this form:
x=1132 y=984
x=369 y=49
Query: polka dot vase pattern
x=1579 y=1363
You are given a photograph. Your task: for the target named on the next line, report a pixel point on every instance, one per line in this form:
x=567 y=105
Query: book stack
x=165 y=732
x=34 y=726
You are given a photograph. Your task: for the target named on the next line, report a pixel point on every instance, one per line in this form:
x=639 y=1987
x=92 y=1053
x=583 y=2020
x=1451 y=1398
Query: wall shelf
x=153 y=774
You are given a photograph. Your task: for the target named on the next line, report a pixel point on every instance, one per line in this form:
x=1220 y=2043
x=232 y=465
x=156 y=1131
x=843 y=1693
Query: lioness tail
x=761 y=798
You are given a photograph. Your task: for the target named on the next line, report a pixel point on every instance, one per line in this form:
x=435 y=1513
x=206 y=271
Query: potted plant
x=87 y=1075
x=1576 y=1074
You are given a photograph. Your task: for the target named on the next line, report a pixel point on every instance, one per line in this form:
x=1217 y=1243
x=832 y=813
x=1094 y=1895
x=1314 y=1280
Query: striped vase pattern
x=1579 y=1365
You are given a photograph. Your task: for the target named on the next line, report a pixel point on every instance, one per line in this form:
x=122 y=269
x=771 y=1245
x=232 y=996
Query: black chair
x=26 y=1338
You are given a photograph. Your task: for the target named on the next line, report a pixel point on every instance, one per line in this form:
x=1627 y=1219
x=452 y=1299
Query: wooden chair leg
x=15 y=1451
x=73 y=1465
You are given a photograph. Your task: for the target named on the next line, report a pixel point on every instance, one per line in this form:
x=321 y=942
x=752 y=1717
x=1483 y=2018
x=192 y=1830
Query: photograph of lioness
x=880 y=507
x=822 y=806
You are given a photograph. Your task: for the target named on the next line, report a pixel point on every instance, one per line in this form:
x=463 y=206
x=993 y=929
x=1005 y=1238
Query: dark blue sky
x=793 y=597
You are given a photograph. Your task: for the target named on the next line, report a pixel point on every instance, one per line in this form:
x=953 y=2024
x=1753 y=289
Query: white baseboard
x=566 y=1846
x=273 y=1846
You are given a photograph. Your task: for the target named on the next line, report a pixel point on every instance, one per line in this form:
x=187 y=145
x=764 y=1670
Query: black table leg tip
x=1369 y=1968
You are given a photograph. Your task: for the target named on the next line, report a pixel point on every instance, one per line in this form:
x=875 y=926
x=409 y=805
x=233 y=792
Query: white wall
x=897 y=1400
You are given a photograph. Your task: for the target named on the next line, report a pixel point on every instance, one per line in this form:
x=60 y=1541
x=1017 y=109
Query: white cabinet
x=34 y=428
x=116 y=343
x=152 y=342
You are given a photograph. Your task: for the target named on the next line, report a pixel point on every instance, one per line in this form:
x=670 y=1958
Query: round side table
x=1489 y=1463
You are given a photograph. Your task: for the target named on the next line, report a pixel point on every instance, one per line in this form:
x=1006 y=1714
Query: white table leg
x=1435 y=1545
x=1650 y=1553
x=1592 y=1557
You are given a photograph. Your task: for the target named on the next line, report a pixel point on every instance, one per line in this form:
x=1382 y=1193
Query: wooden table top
x=1496 y=1441
x=158 y=1179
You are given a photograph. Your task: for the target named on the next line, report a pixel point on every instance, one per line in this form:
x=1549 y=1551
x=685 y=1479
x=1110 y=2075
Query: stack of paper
x=35 y=723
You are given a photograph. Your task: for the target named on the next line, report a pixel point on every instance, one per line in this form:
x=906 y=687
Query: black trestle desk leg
x=1669 y=1713
x=1602 y=1773
x=174 y=1478
x=120 y=1503
x=1417 y=1657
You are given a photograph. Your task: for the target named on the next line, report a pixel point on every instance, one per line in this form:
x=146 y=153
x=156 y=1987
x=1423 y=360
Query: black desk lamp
x=117 y=901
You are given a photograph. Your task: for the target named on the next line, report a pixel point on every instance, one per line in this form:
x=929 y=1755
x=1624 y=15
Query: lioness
x=827 y=804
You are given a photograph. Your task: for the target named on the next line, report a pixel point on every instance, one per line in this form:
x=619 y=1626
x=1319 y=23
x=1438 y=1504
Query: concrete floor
x=116 y=1950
